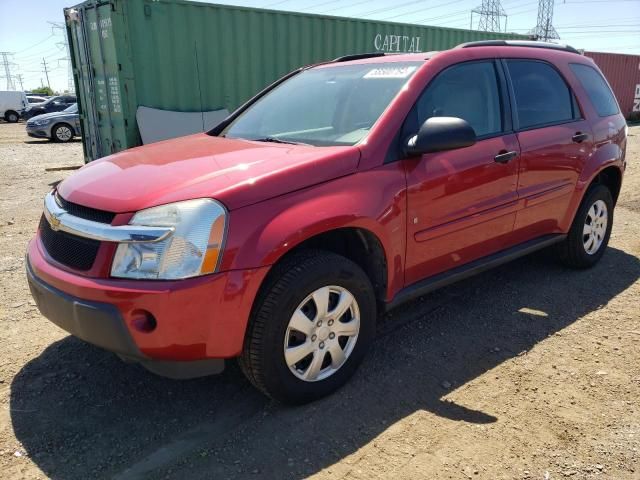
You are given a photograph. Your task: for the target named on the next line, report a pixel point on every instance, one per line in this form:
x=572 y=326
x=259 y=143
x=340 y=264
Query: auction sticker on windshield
x=391 y=72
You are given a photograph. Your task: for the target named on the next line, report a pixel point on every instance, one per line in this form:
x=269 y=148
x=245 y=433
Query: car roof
x=493 y=45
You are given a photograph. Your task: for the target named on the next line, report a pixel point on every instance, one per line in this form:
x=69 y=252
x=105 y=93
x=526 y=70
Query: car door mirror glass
x=438 y=134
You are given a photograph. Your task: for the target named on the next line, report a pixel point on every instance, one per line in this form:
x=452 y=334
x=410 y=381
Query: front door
x=462 y=203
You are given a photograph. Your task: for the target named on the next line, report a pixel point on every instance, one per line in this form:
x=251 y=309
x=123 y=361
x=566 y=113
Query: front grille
x=85 y=212
x=70 y=250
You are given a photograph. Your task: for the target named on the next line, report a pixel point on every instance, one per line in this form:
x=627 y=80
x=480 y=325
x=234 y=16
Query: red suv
x=344 y=189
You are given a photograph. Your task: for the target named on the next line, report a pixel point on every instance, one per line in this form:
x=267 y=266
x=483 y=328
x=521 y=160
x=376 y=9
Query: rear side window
x=468 y=91
x=597 y=89
x=542 y=96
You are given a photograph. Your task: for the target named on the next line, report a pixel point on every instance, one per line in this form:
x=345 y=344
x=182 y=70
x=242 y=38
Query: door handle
x=504 y=156
x=579 y=137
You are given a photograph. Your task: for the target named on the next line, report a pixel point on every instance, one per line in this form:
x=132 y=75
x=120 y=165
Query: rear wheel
x=62 y=133
x=11 y=116
x=589 y=235
x=310 y=328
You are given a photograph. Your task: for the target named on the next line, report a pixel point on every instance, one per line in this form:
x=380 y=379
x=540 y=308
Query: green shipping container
x=183 y=56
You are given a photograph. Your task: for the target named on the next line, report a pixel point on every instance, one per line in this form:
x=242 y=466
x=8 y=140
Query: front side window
x=334 y=105
x=597 y=89
x=468 y=91
x=541 y=94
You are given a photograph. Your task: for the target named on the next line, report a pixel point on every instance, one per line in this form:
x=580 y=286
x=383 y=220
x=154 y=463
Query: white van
x=12 y=104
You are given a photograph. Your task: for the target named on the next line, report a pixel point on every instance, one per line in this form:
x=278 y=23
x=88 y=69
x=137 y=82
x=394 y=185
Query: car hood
x=236 y=172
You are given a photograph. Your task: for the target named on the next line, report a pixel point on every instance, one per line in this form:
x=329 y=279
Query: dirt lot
x=527 y=371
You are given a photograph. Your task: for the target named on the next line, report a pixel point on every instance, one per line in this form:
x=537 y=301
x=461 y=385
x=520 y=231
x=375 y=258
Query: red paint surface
x=430 y=214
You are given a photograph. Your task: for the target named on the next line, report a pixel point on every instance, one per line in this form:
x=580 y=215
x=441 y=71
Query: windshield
x=324 y=106
x=72 y=109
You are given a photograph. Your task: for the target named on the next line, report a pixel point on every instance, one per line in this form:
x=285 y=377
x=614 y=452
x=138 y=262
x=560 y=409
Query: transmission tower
x=20 y=81
x=7 y=69
x=544 y=30
x=491 y=13
x=65 y=44
x=46 y=71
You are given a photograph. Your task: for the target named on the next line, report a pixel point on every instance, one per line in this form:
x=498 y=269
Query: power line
x=35 y=44
x=430 y=8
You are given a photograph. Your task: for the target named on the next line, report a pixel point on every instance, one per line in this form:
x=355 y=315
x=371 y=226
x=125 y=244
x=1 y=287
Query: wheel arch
x=358 y=244
x=611 y=177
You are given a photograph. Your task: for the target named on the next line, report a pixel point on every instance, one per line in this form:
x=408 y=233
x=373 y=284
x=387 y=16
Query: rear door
x=555 y=141
x=461 y=203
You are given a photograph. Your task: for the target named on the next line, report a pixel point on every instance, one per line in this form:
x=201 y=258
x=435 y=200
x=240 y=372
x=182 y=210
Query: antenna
x=544 y=30
x=491 y=13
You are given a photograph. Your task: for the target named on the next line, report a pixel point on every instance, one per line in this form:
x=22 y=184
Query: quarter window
x=597 y=89
x=541 y=94
x=468 y=91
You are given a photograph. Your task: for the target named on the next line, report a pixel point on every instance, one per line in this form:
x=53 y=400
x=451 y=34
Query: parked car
x=57 y=126
x=12 y=104
x=36 y=99
x=342 y=190
x=53 y=104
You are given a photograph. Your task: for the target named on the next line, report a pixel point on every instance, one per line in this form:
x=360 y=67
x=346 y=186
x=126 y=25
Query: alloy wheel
x=63 y=133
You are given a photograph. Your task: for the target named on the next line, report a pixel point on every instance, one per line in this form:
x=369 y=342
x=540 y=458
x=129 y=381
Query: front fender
x=374 y=200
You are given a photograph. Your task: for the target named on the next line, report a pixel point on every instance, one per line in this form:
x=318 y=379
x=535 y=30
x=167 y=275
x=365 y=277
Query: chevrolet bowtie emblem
x=54 y=221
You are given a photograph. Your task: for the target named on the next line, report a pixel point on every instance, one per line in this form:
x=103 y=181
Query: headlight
x=193 y=249
x=39 y=122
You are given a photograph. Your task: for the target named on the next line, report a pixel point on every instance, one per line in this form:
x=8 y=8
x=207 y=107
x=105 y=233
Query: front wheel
x=589 y=235
x=11 y=117
x=311 y=327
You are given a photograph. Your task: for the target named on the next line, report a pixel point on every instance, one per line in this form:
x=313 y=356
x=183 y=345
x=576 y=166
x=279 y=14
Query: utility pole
x=19 y=77
x=544 y=29
x=7 y=69
x=491 y=13
x=46 y=72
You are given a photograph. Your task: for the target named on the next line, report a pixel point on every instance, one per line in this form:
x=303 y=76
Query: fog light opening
x=143 y=321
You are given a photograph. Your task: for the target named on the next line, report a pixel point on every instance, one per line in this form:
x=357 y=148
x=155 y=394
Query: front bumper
x=37 y=131
x=197 y=319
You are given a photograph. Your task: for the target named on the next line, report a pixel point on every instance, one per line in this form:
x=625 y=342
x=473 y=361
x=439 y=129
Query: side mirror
x=441 y=133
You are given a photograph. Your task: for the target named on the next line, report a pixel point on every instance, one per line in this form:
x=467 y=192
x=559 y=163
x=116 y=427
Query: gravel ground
x=528 y=371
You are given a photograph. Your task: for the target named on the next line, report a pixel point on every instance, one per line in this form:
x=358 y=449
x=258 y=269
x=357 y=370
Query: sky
x=26 y=27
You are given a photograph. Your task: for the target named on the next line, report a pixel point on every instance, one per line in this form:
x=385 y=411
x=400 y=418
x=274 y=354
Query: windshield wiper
x=278 y=140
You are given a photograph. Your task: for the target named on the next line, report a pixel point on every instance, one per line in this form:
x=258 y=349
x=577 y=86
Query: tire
x=576 y=251
x=11 y=116
x=270 y=331
x=62 y=133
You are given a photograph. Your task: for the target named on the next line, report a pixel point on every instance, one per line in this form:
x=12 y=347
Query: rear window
x=542 y=96
x=597 y=89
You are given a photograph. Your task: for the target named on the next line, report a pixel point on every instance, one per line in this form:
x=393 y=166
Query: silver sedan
x=57 y=126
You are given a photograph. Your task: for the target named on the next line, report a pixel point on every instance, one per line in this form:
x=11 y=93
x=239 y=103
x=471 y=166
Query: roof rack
x=519 y=43
x=358 y=56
